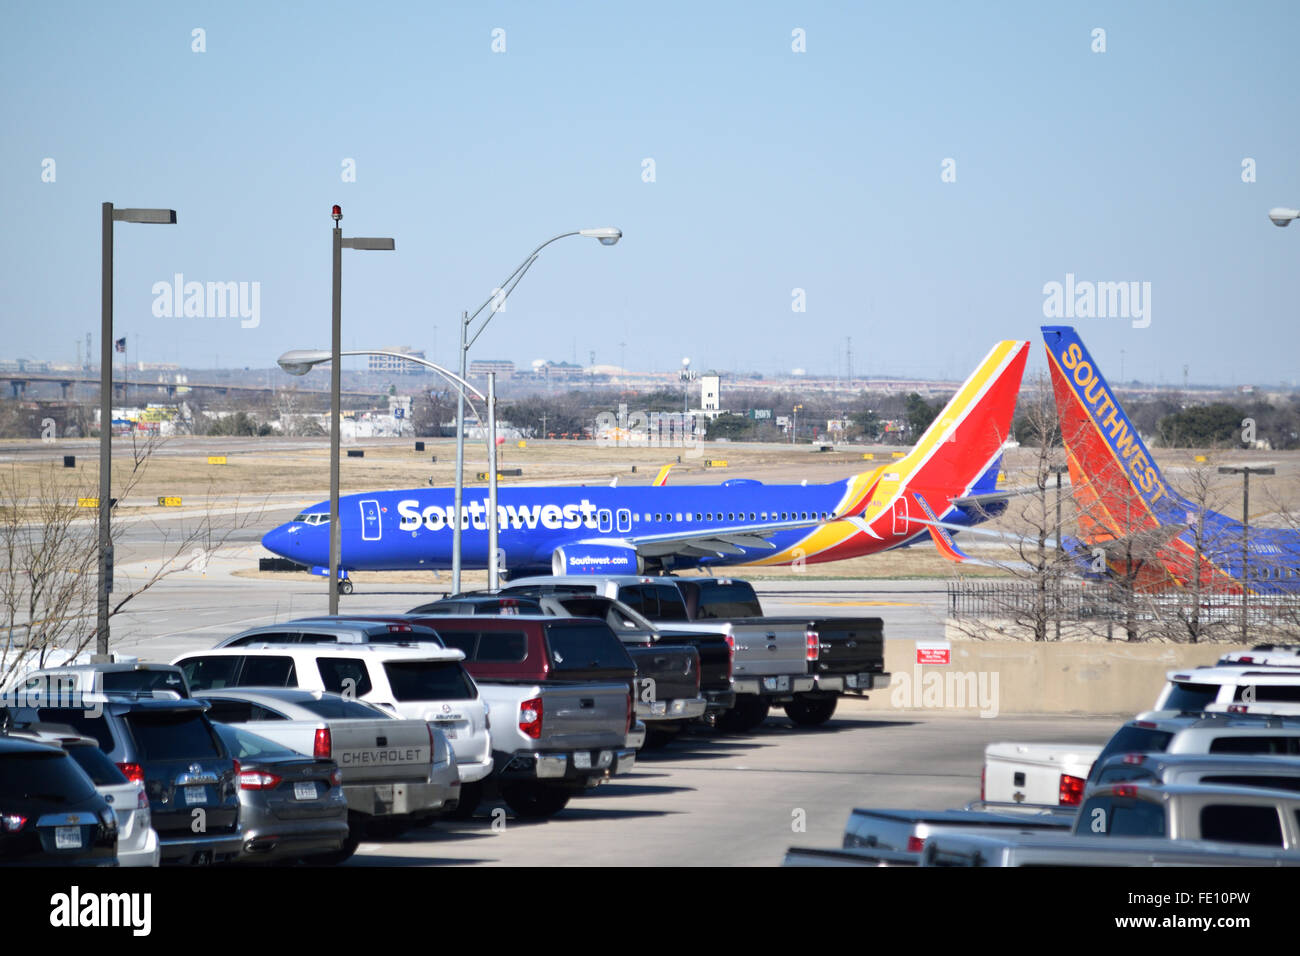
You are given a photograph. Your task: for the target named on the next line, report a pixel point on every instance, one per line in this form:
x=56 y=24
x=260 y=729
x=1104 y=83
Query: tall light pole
x=110 y=216
x=302 y=361
x=794 y=425
x=1245 y=471
x=687 y=375
x=336 y=378
x=608 y=236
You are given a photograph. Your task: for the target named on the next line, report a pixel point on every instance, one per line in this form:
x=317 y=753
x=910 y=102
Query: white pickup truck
x=1038 y=774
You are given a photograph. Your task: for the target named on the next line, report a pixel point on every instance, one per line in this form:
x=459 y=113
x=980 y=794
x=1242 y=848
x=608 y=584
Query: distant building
x=479 y=368
x=711 y=393
x=395 y=366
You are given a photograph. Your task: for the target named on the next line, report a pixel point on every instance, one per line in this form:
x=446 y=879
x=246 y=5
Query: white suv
x=425 y=683
x=1231 y=689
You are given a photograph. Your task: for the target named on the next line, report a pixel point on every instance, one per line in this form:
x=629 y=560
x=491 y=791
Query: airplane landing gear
x=345 y=586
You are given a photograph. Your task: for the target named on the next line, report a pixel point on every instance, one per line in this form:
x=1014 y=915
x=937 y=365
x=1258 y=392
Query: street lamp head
x=1282 y=216
x=162 y=217
x=301 y=361
x=336 y=213
x=607 y=235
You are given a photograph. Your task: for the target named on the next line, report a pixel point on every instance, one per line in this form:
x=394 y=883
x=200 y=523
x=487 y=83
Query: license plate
x=776 y=683
x=304 y=791
x=67 y=838
x=195 y=795
x=384 y=792
x=658 y=708
x=582 y=761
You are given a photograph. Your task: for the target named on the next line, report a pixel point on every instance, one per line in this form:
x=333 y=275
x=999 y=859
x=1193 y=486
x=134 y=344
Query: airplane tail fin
x=1117 y=486
x=961 y=451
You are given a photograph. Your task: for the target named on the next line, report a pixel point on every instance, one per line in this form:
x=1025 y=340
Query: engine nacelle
x=596 y=559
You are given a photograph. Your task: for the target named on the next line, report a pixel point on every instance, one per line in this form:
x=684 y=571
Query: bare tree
x=49 y=545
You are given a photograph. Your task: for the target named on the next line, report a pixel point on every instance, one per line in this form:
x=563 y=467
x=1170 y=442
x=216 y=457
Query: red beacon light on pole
x=337 y=213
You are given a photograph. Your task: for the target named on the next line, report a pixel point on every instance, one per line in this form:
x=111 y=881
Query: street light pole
x=493 y=569
x=608 y=236
x=336 y=401
x=460 y=461
x=1245 y=471
x=109 y=215
x=336 y=379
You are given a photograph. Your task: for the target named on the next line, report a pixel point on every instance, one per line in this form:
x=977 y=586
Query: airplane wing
x=996 y=497
x=714 y=542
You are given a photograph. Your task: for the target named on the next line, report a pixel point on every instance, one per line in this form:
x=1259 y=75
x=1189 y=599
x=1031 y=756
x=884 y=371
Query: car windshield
x=144 y=682
x=172 y=735
x=1184 y=695
x=331 y=707
x=101 y=771
x=246 y=746
x=429 y=680
x=716 y=601
x=52 y=777
x=586 y=646
x=1121 y=816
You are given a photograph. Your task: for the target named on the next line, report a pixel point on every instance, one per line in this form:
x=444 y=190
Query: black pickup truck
x=804 y=664
x=680 y=676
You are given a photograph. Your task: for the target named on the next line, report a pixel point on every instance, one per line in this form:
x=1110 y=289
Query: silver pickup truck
x=397 y=773
x=907 y=831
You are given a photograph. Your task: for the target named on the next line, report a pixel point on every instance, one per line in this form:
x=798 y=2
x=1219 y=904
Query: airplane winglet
x=943 y=542
x=661 y=479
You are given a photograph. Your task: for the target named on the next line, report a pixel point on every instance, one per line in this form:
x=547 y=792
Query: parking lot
x=738 y=800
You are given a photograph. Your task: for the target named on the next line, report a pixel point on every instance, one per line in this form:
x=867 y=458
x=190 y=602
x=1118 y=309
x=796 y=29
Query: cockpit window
x=317 y=518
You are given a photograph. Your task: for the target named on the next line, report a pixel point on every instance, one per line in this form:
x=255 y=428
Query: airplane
x=950 y=475
x=1127 y=508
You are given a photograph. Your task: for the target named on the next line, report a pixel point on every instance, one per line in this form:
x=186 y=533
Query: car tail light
x=132 y=771
x=984 y=773
x=323 y=746
x=399 y=628
x=814 y=645
x=1134 y=758
x=1124 y=790
x=628 y=728
x=1238 y=709
x=915 y=844
x=530 y=718
x=1071 y=790
x=12 y=822
x=1145 y=724
x=336 y=777
x=258 y=780
x=731 y=655
x=141 y=799
x=1246 y=659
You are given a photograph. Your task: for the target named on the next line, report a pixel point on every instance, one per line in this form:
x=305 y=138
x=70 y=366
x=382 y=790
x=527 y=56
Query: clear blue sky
x=775 y=170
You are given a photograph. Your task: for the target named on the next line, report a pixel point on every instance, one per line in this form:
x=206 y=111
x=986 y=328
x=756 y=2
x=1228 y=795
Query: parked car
x=386 y=762
x=119 y=678
x=668 y=690
x=1218 y=813
x=1272 y=773
x=1217 y=734
x=1038 y=774
x=1231 y=688
x=1039 y=849
x=328 y=630
x=291 y=806
x=172 y=748
x=560 y=695
x=137 y=840
x=802 y=664
x=424 y=682
x=907 y=830
x=50 y=812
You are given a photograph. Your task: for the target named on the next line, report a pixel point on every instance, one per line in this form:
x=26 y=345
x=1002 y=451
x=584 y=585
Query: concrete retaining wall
x=1020 y=677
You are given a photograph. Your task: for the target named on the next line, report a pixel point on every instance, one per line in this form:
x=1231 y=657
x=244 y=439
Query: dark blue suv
x=190 y=776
